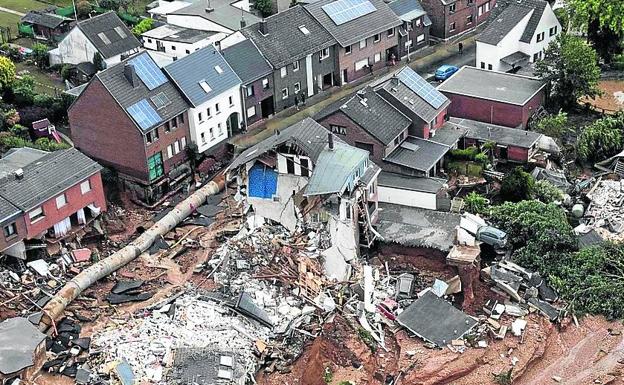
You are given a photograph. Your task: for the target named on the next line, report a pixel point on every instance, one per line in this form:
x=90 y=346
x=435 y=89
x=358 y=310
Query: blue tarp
x=262 y=182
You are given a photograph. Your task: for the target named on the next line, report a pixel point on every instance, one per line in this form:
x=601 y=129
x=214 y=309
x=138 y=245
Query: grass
x=44 y=82
x=9 y=20
x=465 y=168
x=23 y=5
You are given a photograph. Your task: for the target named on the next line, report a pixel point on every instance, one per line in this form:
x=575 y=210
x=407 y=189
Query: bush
x=24 y=91
x=46 y=144
x=40 y=55
x=9 y=140
x=20 y=131
x=601 y=139
x=465 y=154
x=553 y=125
x=143 y=26
x=476 y=203
x=546 y=192
x=517 y=185
x=66 y=71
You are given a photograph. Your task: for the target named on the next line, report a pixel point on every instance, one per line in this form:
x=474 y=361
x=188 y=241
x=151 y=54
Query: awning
x=515 y=58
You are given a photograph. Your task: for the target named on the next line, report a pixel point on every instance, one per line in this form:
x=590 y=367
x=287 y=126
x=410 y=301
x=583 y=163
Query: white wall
x=75 y=48
x=180 y=48
x=548 y=20
x=491 y=54
x=282 y=168
x=196 y=22
x=407 y=197
x=232 y=39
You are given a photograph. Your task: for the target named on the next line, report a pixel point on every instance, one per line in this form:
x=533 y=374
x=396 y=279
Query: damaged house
x=304 y=176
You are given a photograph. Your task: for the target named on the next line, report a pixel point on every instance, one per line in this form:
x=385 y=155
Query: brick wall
x=347 y=61
x=413 y=36
x=259 y=94
x=534 y=103
x=21 y=232
x=442 y=17
x=488 y=111
x=165 y=139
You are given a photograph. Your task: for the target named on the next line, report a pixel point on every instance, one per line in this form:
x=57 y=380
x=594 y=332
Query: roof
x=436 y=320
x=202 y=66
x=222 y=13
x=166 y=7
x=87 y=68
x=403 y=182
x=448 y=134
x=285 y=41
x=41 y=123
x=17 y=158
x=7 y=210
x=176 y=33
x=499 y=134
x=18 y=341
x=418 y=154
x=247 y=61
x=378 y=21
x=498 y=28
x=492 y=85
x=307 y=134
x=515 y=58
x=44 y=18
x=47 y=177
x=115 y=81
x=109 y=25
x=407 y=10
x=334 y=168
x=76 y=91
x=372 y=113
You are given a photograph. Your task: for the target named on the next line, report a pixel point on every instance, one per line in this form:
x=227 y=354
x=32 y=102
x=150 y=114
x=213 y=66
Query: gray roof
x=18 y=341
x=222 y=13
x=403 y=182
x=499 y=134
x=17 y=158
x=515 y=58
x=418 y=154
x=44 y=18
x=408 y=10
x=177 y=34
x=498 y=28
x=382 y=19
x=284 y=42
x=47 y=177
x=539 y=6
x=372 y=113
x=126 y=95
x=492 y=85
x=7 y=210
x=247 y=61
x=188 y=72
x=448 y=134
x=396 y=91
x=106 y=24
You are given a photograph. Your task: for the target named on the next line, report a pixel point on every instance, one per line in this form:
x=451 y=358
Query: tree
x=546 y=192
x=7 y=72
x=605 y=41
x=601 y=139
x=98 y=61
x=265 y=7
x=143 y=26
x=553 y=125
x=83 y=9
x=476 y=203
x=571 y=65
x=563 y=15
x=609 y=13
x=517 y=185
x=112 y=5
x=24 y=90
x=40 y=54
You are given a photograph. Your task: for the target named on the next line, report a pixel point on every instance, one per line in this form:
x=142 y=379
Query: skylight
x=205 y=86
x=104 y=38
x=120 y=32
x=218 y=69
x=304 y=30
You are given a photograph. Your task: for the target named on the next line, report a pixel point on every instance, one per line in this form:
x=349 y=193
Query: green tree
x=98 y=61
x=476 y=203
x=7 y=72
x=546 y=192
x=265 y=7
x=601 y=139
x=83 y=9
x=571 y=65
x=517 y=185
x=563 y=15
x=24 y=90
x=46 y=144
x=66 y=71
x=143 y=26
x=553 y=125
x=605 y=40
x=40 y=54
x=20 y=131
x=609 y=13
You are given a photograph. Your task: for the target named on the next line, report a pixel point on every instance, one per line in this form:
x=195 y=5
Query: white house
x=214 y=16
x=518 y=36
x=213 y=89
x=177 y=42
x=105 y=34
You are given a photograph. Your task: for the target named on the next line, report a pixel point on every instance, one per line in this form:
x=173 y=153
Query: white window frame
x=377 y=38
x=61 y=201
x=36 y=214
x=390 y=34
x=176 y=147
x=85 y=187
x=169 y=152
x=251 y=111
x=297 y=87
x=283 y=72
x=219 y=129
x=363 y=43
x=348 y=50
x=377 y=57
x=284 y=94
x=324 y=53
x=420 y=38
x=183 y=142
x=265 y=83
x=295 y=66
x=361 y=64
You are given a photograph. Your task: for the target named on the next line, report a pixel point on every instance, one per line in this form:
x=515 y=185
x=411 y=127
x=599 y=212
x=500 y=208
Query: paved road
x=7 y=10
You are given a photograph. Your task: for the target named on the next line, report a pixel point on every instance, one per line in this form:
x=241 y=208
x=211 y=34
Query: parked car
x=492 y=236
x=445 y=72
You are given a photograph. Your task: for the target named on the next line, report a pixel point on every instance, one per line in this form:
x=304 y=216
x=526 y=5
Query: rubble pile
x=606 y=209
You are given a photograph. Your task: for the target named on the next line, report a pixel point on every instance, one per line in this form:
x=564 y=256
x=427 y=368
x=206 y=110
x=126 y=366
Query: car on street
x=444 y=72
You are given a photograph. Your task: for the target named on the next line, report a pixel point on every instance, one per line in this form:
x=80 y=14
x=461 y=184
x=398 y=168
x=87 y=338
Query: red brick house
x=46 y=194
x=493 y=97
x=451 y=18
x=132 y=119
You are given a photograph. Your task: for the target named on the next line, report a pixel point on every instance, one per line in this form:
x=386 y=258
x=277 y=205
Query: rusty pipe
x=54 y=309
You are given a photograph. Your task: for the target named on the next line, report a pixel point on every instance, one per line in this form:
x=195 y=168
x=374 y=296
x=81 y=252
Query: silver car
x=492 y=236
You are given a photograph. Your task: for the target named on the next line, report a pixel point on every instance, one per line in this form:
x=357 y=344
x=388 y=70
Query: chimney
x=208 y=7
x=330 y=140
x=263 y=27
x=130 y=74
x=19 y=173
x=243 y=23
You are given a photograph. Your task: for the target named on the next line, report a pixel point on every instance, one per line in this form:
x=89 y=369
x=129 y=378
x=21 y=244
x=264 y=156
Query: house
x=23 y=350
x=305 y=176
x=426 y=193
x=164 y=7
x=414 y=33
x=493 y=97
x=131 y=118
x=45 y=25
x=452 y=18
x=301 y=52
x=212 y=89
x=366 y=32
x=177 y=42
x=256 y=74
x=225 y=16
x=104 y=34
x=517 y=36
x=46 y=194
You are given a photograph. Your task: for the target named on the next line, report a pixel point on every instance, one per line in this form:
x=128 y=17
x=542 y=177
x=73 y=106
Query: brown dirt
x=608 y=100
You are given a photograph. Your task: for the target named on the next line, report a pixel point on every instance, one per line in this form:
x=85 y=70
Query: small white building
x=177 y=42
x=223 y=16
x=213 y=89
x=518 y=36
x=105 y=34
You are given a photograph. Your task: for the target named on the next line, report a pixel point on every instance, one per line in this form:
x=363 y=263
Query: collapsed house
x=305 y=177
x=22 y=350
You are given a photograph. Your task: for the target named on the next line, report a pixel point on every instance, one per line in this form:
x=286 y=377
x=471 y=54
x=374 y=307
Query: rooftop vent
x=19 y=173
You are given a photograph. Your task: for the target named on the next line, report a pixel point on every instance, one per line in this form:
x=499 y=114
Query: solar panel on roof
x=148 y=71
x=143 y=114
x=421 y=87
x=342 y=11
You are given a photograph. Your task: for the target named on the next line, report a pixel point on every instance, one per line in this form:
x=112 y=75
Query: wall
x=75 y=201
x=196 y=22
x=347 y=61
x=514 y=154
x=547 y=21
x=407 y=197
x=260 y=93
x=413 y=36
x=74 y=49
x=534 y=103
x=166 y=139
x=180 y=48
x=492 y=54
x=21 y=232
x=442 y=17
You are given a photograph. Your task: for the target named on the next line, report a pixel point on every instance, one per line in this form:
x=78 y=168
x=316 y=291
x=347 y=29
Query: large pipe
x=54 y=309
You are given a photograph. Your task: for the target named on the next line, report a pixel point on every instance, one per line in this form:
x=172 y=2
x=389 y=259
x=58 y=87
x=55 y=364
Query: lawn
x=9 y=20
x=45 y=83
x=23 y=5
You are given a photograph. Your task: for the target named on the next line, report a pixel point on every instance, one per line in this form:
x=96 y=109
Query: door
x=344 y=79
x=502 y=153
x=267 y=107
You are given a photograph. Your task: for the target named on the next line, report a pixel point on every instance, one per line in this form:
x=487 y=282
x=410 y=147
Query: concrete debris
x=518 y=326
x=605 y=212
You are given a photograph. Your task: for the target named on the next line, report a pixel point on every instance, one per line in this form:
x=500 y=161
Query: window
x=176 y=147
x=408 y=44
x=452 y=27
x=489 y=67
x=420 y=38
x=200 y=117
x=304 y=30
x=149 y=40
x=283 y=72
x=231 y=100
x=290 y=165
x=470 y=2
x=188 y=51
x=10 y=230
x=211 y=132
x=220 y=129
x=183 y=142
x=305 y=166
x=155 y=166
x=265 y=83
x=218 y=69
x=348 y=50
x=173 y=48
x=341 y=130
x=362 y=44
x=169 y=152
x=452 y=8
x=61 y=201
x=418 y=22
x=85 y=187
x=296 y=66
x=324 y=53
x=390 y=32
x=249 y=91
x=361 y=64
x=469 y=19
x=553 y=31
x=204 y=85
x=167 y=127
x=151 y=136
x=36 y=214
x=284 y=93
x=181 y=119
x=376 y=38
x=483 y=65
x=251 y=111
x=540 y=37
x=297 y=87
x=397 y=141
x=208 y=113
x=203 y=137
x=377 y=57
x=535 y=57
x=217 y=107
x=484 y=8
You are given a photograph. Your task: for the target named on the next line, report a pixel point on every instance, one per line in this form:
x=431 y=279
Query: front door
x=267 y=107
